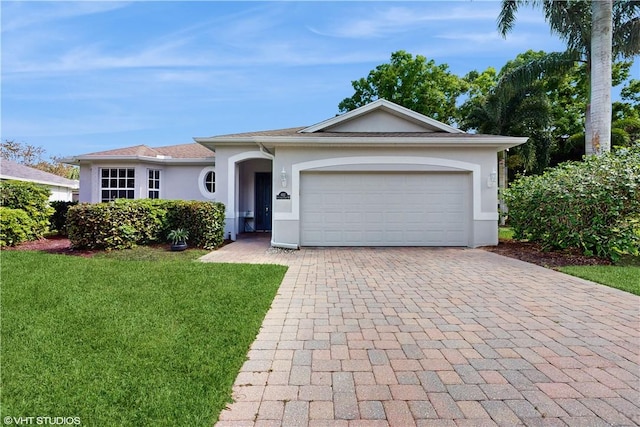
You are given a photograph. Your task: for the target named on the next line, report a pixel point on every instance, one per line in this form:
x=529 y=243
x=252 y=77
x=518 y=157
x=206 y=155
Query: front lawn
x=626 y=278
x=126 y=343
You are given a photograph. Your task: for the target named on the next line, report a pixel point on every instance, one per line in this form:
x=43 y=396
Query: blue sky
x=80 y=77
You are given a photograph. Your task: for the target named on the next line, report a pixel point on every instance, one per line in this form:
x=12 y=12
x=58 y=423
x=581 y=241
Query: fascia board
x=39 y=181
x=139 y=159
x=500 y=142
x=394 y=109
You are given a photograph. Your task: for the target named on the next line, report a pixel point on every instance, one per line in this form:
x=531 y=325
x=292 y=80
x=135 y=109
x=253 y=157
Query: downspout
x=264 y=150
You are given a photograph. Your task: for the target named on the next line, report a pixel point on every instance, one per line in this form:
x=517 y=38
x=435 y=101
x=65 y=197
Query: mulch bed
x=525 y=251
x=533 y=253
x=53 y=245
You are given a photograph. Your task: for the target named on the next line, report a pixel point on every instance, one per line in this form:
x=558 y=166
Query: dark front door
x=263 y=201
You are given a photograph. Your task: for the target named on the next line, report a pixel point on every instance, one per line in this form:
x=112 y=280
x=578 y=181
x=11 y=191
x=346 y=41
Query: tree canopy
x=595 y=32
x=549 y=109
x=415 y=83
x=32 y=156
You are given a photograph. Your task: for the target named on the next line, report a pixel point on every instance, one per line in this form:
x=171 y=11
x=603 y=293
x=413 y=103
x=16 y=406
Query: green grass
x=152 y=253
x=505 y=233
x=626 y=278
x=124 y=343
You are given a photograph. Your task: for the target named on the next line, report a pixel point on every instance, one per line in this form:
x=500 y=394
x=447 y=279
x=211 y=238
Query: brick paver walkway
x=435 y=337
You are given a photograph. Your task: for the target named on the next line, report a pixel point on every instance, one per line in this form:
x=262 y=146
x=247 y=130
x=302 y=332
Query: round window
x=207 y=182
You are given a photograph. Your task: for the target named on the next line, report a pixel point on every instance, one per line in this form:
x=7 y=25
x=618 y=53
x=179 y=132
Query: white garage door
x=384 y=209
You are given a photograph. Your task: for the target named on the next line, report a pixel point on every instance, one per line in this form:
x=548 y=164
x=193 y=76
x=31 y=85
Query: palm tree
x=595 y=32
x=598 y=135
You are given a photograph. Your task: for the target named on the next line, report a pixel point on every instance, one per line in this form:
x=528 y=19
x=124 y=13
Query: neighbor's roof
x=181 y=153
x=16 y=171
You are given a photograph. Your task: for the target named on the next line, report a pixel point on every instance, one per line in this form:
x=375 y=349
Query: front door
x=263 y=201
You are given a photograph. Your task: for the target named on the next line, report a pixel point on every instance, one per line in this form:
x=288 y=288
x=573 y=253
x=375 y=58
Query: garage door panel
x=384 y=209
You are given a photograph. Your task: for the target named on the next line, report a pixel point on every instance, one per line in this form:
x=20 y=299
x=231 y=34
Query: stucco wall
x=480 y=162
x=63 y=194
x=176 y=181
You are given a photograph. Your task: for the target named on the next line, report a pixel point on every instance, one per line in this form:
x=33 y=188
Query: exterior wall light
x=283 y=178
x=492 y=179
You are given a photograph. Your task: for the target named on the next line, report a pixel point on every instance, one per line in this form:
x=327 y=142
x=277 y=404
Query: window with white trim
x=154 y=183
x=117 y=183
x=207 y=182
x=210 y=182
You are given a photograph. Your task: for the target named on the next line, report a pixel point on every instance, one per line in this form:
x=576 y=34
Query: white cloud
x=24 y=14
x=385 y=21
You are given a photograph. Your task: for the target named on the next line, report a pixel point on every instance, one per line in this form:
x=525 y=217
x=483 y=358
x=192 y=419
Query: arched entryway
x=251 y=193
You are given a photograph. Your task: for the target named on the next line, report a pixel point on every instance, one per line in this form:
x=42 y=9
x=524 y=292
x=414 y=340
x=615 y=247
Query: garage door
x=384 y=209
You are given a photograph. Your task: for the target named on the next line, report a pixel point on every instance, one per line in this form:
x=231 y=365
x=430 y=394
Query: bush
x=15 y=227
x=592 y=205
x=126 y=223
x=119 y=224
x=31 y=198
x=204 y=221
x=59 y=218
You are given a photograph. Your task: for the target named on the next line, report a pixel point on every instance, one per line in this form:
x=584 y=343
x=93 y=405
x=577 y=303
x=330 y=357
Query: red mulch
x=533 y=253
x=52 y=245
x=529 y=252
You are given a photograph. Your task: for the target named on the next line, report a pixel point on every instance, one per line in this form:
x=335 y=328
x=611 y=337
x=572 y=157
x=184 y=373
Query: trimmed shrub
x=31 y=198
x=126 y=223
x=592 y=205
x=59 y=218
x=119 y=224
x=15 y=227
x=204 y=221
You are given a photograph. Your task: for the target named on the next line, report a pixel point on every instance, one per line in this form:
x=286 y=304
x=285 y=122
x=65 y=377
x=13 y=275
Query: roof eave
x=499 y=142
x=145 y=159
x=73 y=186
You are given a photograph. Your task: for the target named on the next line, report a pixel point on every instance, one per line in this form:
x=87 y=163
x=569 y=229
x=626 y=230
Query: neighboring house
x=380 y=175
x=184 y=171
x=62 y=189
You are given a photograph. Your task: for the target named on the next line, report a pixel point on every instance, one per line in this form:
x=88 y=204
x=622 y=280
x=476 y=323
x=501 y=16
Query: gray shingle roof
x=181 y=151
x=13 y=170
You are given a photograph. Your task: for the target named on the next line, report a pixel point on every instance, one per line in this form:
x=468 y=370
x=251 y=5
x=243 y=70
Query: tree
x=550 y=110
x=22 y=153
x=527 y=112
x=415 y=83
x=595 y=33
x=598 y=135
x=626 y=116
x=31 y=155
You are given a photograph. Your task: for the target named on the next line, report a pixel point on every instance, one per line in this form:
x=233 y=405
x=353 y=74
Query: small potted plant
x=178 y=238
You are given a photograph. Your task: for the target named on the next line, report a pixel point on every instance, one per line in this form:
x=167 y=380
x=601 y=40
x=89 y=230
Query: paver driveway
x=423 y=336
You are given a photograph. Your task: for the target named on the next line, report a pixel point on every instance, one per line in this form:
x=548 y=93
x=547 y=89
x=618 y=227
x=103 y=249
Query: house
x=380 y=175
x=62 y=189
x=185 y=171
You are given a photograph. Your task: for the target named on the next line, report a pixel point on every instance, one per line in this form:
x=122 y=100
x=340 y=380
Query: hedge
x=127 y=223
x=593 y=205
x=31 y=198
x=58 y=219
x=15 y=227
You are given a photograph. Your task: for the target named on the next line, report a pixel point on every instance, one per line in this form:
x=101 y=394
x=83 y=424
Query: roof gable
x=381 y=116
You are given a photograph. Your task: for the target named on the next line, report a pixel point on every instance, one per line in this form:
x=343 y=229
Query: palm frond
x=507 y=17
x=626 y=38
x=524 y=76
